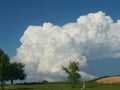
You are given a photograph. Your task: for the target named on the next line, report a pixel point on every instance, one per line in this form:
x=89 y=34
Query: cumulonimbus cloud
x=44 y=49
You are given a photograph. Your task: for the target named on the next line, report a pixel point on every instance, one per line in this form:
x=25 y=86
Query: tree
x=4 y=62
x=72 y=72
x=16 y=71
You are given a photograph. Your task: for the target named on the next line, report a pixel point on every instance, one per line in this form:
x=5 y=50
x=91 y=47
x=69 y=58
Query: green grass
x=63 y=86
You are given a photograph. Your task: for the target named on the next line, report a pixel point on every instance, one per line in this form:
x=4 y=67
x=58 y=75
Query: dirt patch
x=112 y=79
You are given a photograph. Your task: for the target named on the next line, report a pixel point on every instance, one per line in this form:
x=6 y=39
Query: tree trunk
x=74 y=84
x=11 y=81
x=2 y=85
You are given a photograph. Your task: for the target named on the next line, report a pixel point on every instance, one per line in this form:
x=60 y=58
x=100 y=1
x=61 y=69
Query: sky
x=22 y=26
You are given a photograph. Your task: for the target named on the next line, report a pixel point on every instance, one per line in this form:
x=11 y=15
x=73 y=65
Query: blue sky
x=17 y=15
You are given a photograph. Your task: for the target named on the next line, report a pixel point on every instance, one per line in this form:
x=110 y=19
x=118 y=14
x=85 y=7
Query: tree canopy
x=16 y=72
x=4 y=62
x=10 y=70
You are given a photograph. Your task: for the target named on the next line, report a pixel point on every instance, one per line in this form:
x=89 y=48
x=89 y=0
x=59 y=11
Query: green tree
x=72 y=72
x=16 y=72
x=4 y=62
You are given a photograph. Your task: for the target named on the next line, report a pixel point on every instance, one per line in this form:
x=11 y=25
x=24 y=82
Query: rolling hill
x=108 y=80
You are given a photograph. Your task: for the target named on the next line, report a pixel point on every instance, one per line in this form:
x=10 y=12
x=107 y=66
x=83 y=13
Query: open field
x=63 y=86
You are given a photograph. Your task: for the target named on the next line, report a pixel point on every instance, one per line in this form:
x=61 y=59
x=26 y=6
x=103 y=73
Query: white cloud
x=44 y=49
x=86 y=76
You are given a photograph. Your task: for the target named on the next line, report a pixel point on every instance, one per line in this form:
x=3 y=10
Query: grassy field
x=63 y=86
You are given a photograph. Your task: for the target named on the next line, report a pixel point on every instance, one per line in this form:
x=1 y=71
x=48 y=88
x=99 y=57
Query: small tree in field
x=72 y=72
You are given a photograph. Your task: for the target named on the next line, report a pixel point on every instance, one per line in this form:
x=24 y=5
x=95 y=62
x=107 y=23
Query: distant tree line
x=10 y=71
